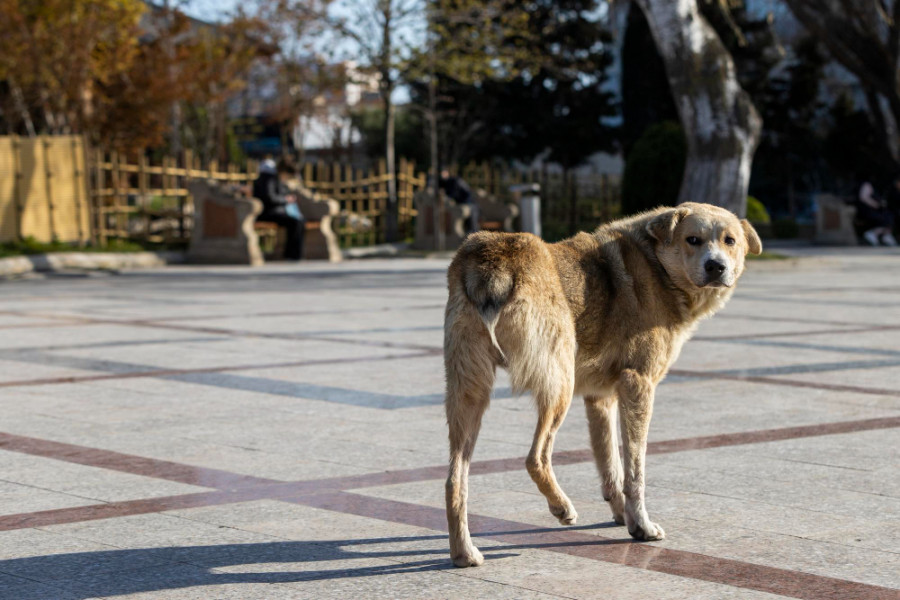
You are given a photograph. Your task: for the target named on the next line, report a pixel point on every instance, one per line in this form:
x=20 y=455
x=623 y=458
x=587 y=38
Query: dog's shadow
x=82 y=575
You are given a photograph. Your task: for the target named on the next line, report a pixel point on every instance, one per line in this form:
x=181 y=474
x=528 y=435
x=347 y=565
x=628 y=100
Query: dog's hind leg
x=636 y=394
x=605 y=442
x=470 y=377
x=552 y=409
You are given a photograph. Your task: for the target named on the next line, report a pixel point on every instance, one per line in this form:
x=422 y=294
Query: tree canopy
x=548 y=95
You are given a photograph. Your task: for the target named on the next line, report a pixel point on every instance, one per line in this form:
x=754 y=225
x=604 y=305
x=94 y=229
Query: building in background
x=309 y=118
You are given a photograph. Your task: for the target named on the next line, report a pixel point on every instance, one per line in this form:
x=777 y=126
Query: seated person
x=280 y=206
x=877 y=220
x=459 y=191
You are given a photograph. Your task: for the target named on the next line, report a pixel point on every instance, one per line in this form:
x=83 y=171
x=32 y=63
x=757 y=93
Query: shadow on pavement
x=130 y=571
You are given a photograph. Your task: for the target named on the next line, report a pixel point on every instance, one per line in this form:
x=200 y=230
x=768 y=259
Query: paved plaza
x=273 y=433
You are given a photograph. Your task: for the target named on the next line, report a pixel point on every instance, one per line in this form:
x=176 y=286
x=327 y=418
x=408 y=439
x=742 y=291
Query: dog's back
x=509 y=284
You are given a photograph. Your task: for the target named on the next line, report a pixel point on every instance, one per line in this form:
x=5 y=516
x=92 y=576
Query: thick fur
x=603 y=315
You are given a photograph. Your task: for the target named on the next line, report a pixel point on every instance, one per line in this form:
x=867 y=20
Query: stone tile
x=154 y=531
x=824 y=505
x=16 y=498
x=87 y=483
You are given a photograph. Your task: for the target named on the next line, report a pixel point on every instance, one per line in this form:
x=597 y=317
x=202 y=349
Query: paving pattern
x=278 y=433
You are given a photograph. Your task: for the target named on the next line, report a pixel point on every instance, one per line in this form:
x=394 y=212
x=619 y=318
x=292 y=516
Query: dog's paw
x=649 y=533
x=469 y=558
x=619 y=518
x=565 y=514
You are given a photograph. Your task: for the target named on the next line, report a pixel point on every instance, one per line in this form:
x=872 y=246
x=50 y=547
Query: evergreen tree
x=646 y=97
x=557 y=102
x=788 y=162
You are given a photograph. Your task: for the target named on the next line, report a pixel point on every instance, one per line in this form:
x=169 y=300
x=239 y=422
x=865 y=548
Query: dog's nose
x=714 y=267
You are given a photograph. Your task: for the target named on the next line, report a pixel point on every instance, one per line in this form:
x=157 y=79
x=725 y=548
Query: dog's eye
x=693 y=240
x=729 y=241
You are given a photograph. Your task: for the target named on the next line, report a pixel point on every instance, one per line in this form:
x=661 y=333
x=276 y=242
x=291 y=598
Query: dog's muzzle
x=716 y=274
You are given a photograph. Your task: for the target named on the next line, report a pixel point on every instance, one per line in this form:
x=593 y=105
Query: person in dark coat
x=280 y=206
x=458 y=191
x=877 y=219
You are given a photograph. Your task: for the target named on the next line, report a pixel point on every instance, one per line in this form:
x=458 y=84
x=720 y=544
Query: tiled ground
x=278 y=433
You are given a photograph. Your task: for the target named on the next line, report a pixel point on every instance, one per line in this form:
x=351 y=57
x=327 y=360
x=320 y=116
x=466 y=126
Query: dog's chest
x=598 y=366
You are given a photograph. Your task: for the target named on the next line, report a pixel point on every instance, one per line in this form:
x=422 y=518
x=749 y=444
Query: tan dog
x=603 y=315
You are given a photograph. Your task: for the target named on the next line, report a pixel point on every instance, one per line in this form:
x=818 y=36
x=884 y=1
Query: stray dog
x=603 y=315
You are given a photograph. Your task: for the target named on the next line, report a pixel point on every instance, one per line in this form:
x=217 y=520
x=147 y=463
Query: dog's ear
x=754 y=244
x=662 y=226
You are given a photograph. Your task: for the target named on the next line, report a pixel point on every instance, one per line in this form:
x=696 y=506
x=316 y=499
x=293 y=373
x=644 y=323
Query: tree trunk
x=389 y=159
x=434 y=179
x=885 y=124
x=571 y=184
x=720 y=123
x=175 y=117
x=387 y=88
x=19 y=99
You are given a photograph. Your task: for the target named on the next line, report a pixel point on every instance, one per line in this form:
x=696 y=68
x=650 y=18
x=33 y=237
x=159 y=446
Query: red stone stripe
x=225 y=480
x=779 y=334
x=129 y=463
x=569 y=457
x=298 y=313
x=234 y=332
x=692 y=565
x=771 y=435
x=327 y=494
x=774 y=319
x=788 y=382
x=78 y=514
x=225 y=369
x=39 y=325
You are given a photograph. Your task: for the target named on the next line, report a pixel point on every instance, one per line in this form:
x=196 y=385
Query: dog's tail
x=489 y=290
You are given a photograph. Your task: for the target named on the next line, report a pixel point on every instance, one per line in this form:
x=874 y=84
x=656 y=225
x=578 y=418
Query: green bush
x=654 y=168
x=28 y=245
x=756 y=212
x=785 y=229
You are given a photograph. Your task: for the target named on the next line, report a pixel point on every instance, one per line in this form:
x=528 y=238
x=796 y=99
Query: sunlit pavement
x=278 y=433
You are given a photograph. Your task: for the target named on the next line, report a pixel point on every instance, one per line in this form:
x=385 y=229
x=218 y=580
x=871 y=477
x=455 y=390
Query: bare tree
x=721 y=125
x=863 y=36
x=383 y=32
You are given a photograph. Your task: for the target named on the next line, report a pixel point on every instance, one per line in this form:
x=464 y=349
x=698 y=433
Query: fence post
x=401 y=198
x=78 y=174
x=100 y=198
x=48 y=177
x=18 y=200
x=142 y=192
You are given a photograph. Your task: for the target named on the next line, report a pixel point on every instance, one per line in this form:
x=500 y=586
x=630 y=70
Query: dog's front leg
x=635 y=409
x=605 y=442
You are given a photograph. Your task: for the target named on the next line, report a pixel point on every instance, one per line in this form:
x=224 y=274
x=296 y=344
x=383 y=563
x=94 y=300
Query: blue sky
x=214 y=10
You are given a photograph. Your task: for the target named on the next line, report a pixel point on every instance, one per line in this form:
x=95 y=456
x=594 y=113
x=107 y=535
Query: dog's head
x=701 y=245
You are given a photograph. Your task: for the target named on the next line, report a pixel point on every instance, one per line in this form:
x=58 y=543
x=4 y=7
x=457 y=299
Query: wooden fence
x=570 y=201
x=363 y=197
x=43 y=189
x=54 y=188
x=139 y=200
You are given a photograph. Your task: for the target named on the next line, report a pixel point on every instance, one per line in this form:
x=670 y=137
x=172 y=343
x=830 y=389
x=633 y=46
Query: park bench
x=835 y=221
x=223 y=230
x=320 y=241
x=494 y=214
x=453 y=222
